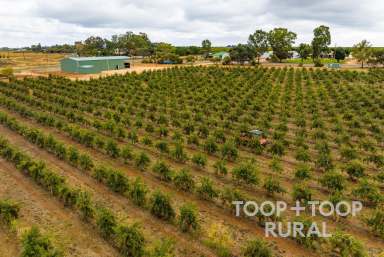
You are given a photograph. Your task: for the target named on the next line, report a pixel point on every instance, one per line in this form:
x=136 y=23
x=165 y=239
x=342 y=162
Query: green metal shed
x=220 y=55
x=86 y=65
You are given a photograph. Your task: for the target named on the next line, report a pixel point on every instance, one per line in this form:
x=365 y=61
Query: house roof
x=98 y=58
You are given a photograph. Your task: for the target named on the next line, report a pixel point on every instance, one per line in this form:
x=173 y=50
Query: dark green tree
x=321 y=40
x=258 y=42
x=281 y=41
x=304 y=51
x=206 y=47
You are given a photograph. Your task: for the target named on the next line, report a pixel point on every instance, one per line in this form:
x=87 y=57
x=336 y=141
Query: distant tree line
x=281 y=40
x=278 y=40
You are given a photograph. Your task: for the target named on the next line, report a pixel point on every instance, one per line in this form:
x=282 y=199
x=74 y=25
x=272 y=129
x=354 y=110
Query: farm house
x=86 y=65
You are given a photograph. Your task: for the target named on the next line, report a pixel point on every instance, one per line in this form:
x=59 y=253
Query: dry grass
x=29 y=61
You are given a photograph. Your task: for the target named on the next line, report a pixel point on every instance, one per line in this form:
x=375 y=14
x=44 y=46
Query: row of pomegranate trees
x=127 y=238
x=323 y=159
x=160 y=204
x=276 y=148
x=187 y=129
x=325 y=154
x=116 y=115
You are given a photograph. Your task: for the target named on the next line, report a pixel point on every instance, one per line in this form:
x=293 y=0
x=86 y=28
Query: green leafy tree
x=275 y=165
x=188 y=219
x=333 y=181
x=241 y=53
x=258 y=42
x=35 y=244
x=302 y=172
x=84 y=204
x=163 y=170
x=256 y=248
x=73 y=155
x=220 y=167
x=272 y=186
x=184 y=181
x=9 y=211
x=354 y=169
x=277 y=148
x=281 y=41
x=132 y=44
x=126 y=154
x=117 y=182
x=93 y=46
x=302 y=154
x=178 y=153
x=106 y=222
x=229 y=151
x=131 y=241
x=206 y=190
x=199 y=160
x=301 y=193
x=206 y=47
x=85 y=162
x=340 y=54
x=377 y=57
x=162 y=146
x=138 y=192
x=321 y=40
x=142 y=161
x=161 y=207
x=344 y=245
x=246 y=173
x=163 y=248
x=304 y=51
x=210 y=145
x=369 y=192
x=362 y=51
x=112 y=149
x=376 y=222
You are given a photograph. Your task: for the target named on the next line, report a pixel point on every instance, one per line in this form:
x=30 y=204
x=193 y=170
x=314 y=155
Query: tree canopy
x=258 y=42
x=281 y=40
x=321 y=40
x=362 y=51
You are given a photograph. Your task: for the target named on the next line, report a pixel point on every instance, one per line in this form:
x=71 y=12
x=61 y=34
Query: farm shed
x=220 y=55
x=86 y=65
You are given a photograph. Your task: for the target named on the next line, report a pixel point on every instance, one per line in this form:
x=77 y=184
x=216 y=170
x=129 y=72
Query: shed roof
x=98 y=58
x=220 y=53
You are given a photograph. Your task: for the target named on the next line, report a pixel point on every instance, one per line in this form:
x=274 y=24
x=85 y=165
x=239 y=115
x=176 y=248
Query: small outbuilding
x=220 y=55
x=87 y=65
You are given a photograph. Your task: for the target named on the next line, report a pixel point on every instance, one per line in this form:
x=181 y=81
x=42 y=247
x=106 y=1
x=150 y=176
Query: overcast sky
x=187 y=22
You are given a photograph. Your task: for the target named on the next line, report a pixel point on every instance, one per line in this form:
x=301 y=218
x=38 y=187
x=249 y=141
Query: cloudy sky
x=186 y=22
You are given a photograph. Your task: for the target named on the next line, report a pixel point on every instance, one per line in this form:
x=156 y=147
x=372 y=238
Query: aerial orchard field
x=150 y=163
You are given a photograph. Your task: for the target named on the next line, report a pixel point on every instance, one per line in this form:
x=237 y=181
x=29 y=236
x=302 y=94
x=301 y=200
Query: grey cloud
x=186 y=21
